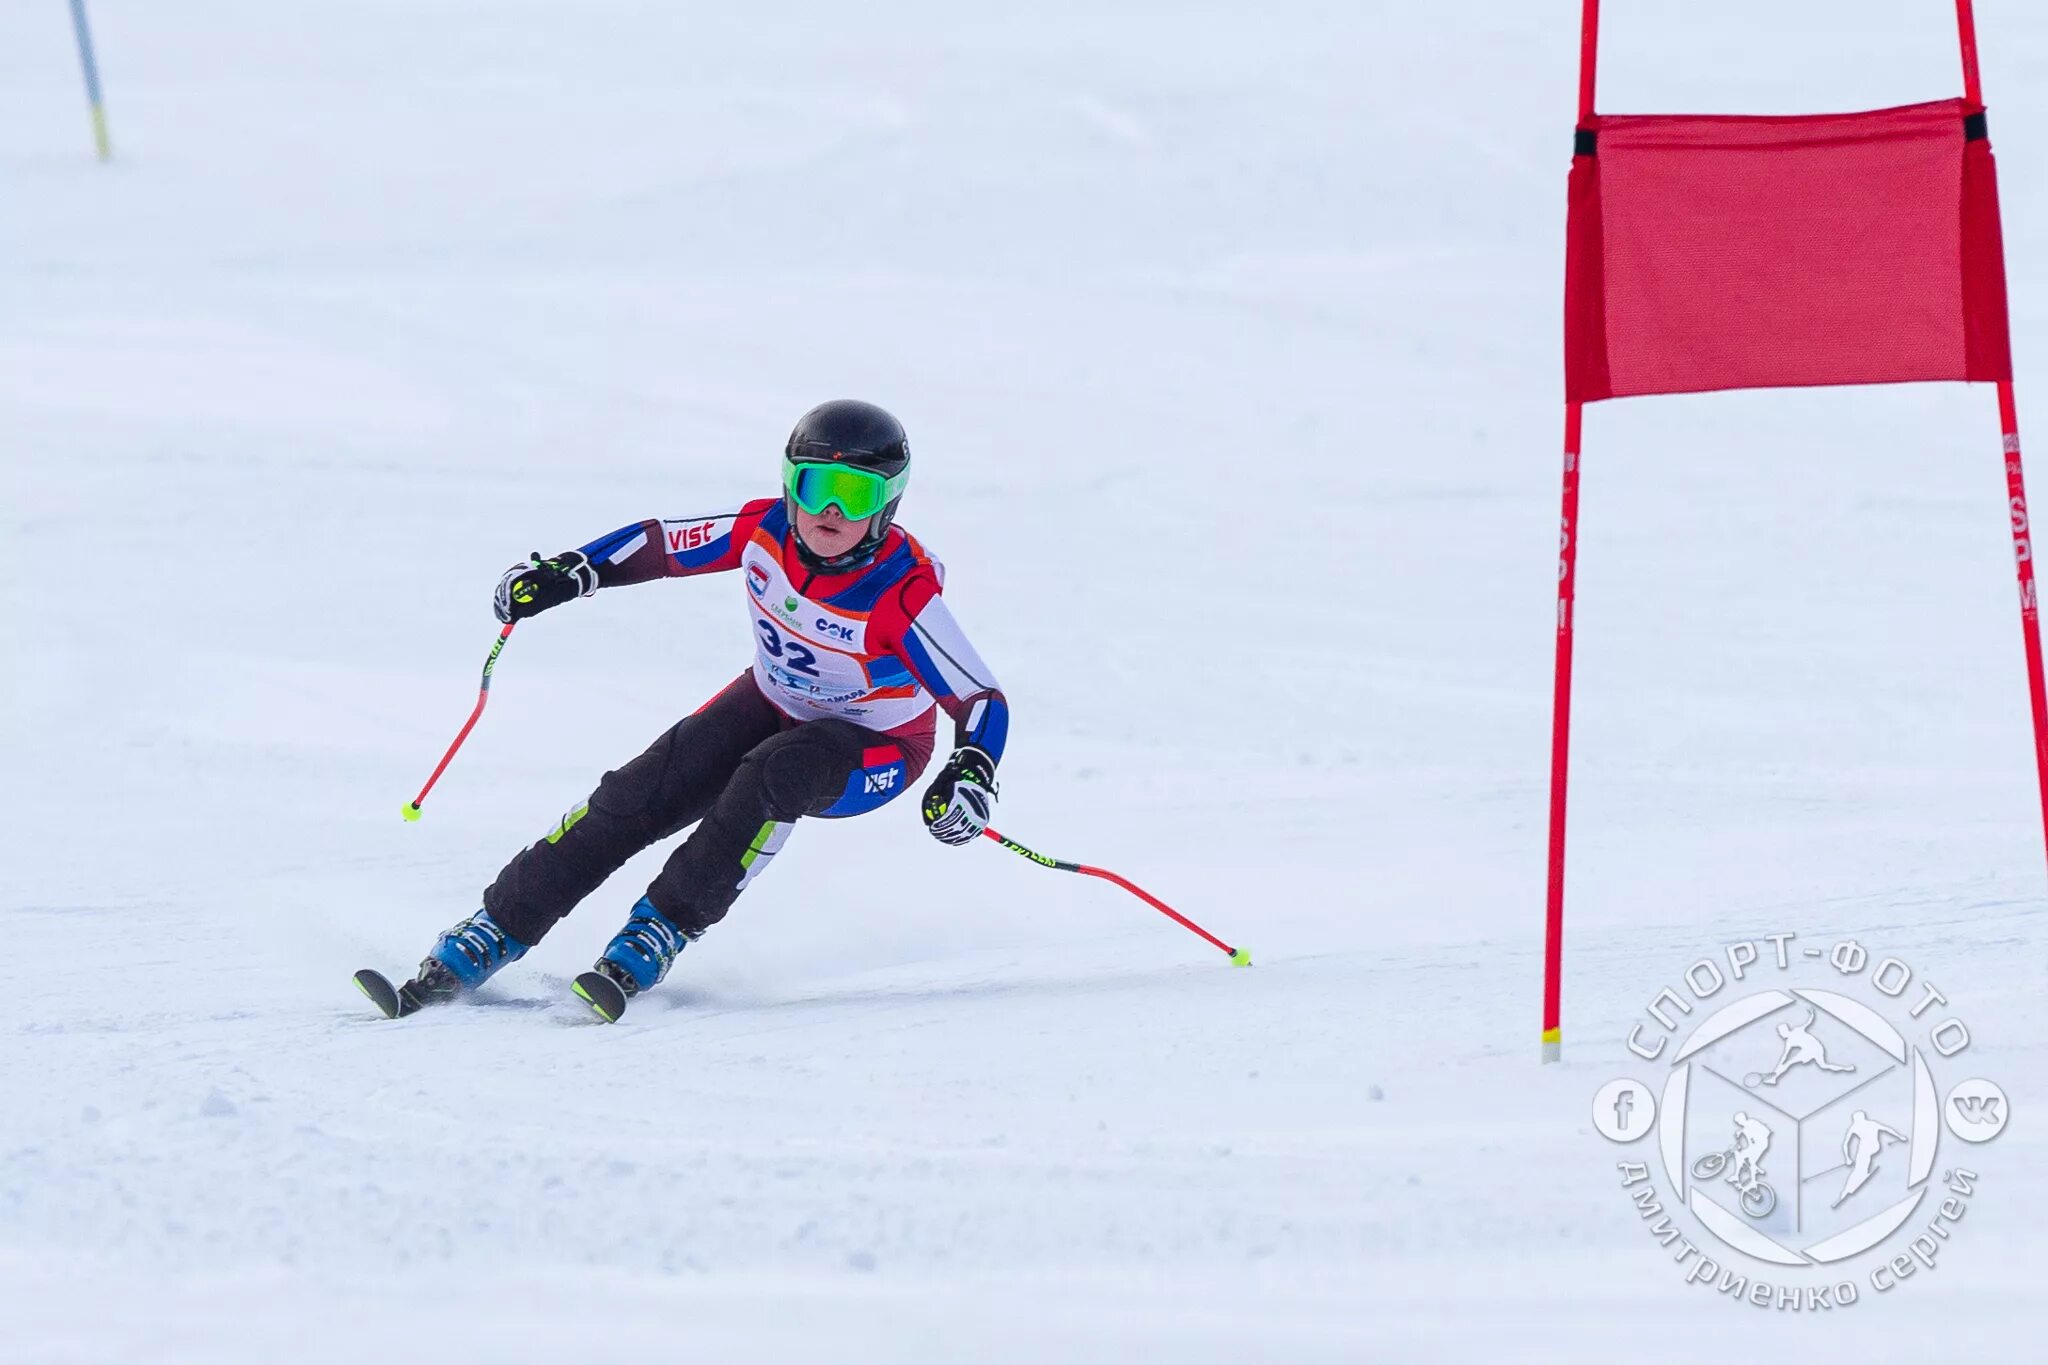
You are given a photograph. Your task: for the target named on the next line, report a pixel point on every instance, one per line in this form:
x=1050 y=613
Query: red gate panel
x=1729 y=252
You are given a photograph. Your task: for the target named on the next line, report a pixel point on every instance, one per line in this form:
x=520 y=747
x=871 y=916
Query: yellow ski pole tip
x=1241 y=958
x=410 y=811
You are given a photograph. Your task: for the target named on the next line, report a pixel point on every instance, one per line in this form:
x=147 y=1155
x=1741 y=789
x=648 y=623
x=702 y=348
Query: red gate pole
x=2015 y=475
x=1567 y=592
x=1589 y=54
x=2030 y=612
x=1966 y=34
x=1560 y=742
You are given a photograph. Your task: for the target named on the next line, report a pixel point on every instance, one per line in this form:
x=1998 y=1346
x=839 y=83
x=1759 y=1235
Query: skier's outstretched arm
x=638 y=553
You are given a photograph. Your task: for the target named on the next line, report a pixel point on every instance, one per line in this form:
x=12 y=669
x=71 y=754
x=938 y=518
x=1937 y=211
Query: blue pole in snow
x=92 y=80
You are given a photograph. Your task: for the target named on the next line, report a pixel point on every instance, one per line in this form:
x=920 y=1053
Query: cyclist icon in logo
x=1799 y=1047
x=1752 y=1140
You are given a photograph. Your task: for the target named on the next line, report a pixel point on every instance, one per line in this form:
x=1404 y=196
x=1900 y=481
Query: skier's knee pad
x=623 y=794
x=633 y=792
x=795 y=776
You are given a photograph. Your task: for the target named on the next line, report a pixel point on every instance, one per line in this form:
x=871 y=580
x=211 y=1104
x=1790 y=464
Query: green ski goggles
x=858 y=493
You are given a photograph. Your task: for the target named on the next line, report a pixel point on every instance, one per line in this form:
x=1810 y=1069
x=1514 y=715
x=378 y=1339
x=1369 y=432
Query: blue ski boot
x=637 y=958
x=462 y=959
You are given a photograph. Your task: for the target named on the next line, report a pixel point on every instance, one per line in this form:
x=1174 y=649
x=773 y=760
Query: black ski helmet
x=847 y=431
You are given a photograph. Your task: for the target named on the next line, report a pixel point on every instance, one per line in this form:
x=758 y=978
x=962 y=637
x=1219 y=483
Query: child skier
x=853 y=645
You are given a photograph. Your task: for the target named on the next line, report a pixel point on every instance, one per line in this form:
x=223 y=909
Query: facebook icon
x=1623 y=1110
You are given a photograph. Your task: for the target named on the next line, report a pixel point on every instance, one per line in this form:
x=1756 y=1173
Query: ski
x=602 y=994
x=395 y=1002
x=382 y=993
x=594 y=989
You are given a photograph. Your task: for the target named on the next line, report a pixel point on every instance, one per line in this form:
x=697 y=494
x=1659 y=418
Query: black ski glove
x=959 y=801
x=530 y=589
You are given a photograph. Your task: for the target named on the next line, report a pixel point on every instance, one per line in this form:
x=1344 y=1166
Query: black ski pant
x=739 y=770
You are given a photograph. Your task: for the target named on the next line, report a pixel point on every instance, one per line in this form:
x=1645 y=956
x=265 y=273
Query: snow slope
x=1227 y=336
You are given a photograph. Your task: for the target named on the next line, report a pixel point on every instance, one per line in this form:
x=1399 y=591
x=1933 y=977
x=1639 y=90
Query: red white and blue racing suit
x=835 y=718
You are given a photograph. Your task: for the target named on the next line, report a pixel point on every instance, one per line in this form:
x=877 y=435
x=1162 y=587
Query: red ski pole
x=1239 y=957
x=412 y=807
